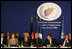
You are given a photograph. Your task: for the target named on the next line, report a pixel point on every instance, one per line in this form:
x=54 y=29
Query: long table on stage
x=35 y=47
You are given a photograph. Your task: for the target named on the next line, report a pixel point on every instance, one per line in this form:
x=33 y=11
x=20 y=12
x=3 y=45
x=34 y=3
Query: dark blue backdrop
x=16 y=15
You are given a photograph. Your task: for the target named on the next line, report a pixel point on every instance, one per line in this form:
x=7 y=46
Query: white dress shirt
x=1 y=41
x=26 y=39
x=65 y=42
x=50 y=41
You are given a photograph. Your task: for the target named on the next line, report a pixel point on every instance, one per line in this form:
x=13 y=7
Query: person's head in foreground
x=66 y=37
x=49 y=37
x=36 y=35
x=69 y=35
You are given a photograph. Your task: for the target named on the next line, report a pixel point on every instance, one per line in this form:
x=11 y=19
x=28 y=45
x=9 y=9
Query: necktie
x=64 y=43
x=25 y=40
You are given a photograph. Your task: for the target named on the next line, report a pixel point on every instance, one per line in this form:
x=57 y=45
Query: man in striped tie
x=26 y=40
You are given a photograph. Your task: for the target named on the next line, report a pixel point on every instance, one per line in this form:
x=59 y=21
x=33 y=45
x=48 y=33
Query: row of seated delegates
x=62 y=42
x=26 y=40
x=36 y=41
x=6 y=38
x=11 y=40
x=14 y=39
x=65 y=41
x=18 y=40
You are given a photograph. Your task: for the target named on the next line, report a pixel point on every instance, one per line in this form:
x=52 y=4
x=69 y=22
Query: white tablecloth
x=35 y=47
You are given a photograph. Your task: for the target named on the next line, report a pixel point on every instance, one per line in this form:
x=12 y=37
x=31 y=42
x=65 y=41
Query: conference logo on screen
x=49 y=11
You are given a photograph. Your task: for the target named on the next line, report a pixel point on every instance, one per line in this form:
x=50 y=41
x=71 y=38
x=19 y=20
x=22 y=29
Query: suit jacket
x=4 y=41
x=37 y=42
x=66 y=44
x=19 y=39
x=47 y=42
x=7 y=40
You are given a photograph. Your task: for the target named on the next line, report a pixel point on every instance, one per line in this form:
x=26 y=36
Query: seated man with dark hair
x=18 y=37
x=25 y=40
x=7 y=37
x=3 y=40
x=50 y=41
x=65 y=41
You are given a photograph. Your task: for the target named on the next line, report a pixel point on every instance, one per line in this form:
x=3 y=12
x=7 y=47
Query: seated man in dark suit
x=18 y=37
x=3 y=40
x=65 y=41
x=50 y=41
x=7 y=37
x=37 y=41
x=26 y=41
